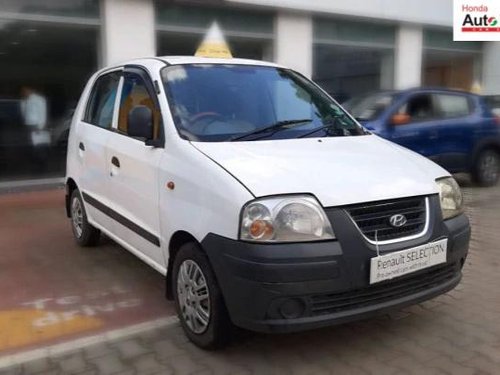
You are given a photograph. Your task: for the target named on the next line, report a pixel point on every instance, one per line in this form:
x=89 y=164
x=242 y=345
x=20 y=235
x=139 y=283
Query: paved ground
x=458 y=333
x=53 y=290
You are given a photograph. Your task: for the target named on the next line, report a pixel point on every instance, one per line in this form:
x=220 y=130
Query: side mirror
x=400 y=119
x=140 y=122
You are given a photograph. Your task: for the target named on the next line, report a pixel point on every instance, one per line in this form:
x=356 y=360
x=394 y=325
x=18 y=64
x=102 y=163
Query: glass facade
x=180 y=29
x=47 y=52
x=55 y=8
x=49 y=48
x=448 y=63
x=352 y=58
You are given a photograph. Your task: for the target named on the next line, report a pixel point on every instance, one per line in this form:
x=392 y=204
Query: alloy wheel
x=193 y=296
x=490 y=167
x=77 y=217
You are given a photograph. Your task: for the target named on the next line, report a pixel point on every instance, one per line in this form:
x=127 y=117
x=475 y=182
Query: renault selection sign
x=476 y=20
x=399 y=263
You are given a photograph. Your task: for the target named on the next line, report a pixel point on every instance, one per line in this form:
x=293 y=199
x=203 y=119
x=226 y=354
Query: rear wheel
x=84 y=233
x=198 y=299
x=486 y=171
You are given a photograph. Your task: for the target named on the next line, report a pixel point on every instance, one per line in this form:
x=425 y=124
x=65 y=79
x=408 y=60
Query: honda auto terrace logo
x=476 y=20
x=397 y=220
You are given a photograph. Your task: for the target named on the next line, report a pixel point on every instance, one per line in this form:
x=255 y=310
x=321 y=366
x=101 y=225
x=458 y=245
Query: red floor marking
x=52 y=290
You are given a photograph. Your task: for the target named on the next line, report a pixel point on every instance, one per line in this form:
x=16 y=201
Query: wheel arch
x=70 y=187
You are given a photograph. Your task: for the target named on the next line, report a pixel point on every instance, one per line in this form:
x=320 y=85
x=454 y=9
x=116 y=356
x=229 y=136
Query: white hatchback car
x=263 y=202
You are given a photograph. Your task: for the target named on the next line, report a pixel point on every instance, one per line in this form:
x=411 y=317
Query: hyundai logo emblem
x=397 y=220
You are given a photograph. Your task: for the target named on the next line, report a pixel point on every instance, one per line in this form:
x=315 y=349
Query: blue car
x=455 y=129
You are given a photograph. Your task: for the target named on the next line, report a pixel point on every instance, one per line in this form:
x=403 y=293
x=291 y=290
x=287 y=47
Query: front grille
x=374 y=218
x=379 y=293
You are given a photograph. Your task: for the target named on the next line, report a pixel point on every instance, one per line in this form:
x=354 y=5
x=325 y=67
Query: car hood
x=337 y=170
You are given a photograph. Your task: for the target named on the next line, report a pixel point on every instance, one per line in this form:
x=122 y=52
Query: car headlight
x=450 y=197
x=297 y=218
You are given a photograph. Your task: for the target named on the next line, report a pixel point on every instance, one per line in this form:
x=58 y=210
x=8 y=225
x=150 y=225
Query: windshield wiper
x=328 y=125
x=285 y=124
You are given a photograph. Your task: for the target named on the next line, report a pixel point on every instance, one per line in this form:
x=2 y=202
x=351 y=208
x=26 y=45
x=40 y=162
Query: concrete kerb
x=31 y=185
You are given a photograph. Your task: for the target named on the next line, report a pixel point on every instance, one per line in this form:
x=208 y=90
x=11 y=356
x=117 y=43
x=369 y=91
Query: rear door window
x=452 y=105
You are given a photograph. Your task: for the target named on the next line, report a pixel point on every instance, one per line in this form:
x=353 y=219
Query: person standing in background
x=34 y=114
x=33 y=108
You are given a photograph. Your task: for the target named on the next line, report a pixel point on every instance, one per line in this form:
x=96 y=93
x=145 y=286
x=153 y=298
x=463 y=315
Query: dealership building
x=349 y=47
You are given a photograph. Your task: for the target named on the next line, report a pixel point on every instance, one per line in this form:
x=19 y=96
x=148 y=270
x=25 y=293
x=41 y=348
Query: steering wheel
x=203 y=115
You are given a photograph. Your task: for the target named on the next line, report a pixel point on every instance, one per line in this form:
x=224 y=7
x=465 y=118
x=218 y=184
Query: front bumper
x=293 y=287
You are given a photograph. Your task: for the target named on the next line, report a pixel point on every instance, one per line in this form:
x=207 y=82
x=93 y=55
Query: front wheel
x=198 y=299
x=486 y=171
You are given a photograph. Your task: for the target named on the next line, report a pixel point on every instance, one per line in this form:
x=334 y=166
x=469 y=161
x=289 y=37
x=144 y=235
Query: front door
x=420 y=134
x=133 y=170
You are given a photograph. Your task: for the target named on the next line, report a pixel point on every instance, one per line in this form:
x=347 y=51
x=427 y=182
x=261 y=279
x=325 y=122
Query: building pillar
x=387 y=71
x=408 y=57
x=491 y=72
x=294 y=42
x=128 y=30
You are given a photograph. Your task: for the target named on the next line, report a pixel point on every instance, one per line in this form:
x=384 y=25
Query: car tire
x=192 y=269
x=85 y=234
x=486 y=171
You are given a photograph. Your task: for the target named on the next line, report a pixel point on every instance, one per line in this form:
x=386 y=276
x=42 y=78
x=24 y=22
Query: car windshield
x=370 y=107
x=215 y=102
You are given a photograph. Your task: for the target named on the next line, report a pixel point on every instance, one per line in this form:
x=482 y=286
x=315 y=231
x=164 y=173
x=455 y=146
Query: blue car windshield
x=216 y=103
x=371 y=106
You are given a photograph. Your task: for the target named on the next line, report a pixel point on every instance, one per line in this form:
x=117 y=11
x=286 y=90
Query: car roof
x=173 y=60
x=151 y=62
x=416 y=90
x=436 y=89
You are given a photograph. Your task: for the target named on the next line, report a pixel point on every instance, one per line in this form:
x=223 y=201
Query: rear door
x=132 y=167
x=457 y=121
x=94 y=131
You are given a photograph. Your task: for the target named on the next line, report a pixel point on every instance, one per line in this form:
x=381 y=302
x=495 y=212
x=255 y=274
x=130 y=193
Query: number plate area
x=399 y=263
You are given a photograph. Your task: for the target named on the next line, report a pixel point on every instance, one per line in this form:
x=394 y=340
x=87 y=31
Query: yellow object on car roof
x=214 y=44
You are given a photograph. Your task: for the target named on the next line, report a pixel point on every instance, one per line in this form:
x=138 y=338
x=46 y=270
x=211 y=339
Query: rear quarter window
x=493 y=103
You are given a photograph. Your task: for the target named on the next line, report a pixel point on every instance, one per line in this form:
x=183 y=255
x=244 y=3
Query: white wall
x=408 y=57
x=491 y=69
x=293 y=42
x=128 y=30
x=430 y=12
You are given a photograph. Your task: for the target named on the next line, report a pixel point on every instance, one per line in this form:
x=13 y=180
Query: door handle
x=81 y=146
x=115 y=162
